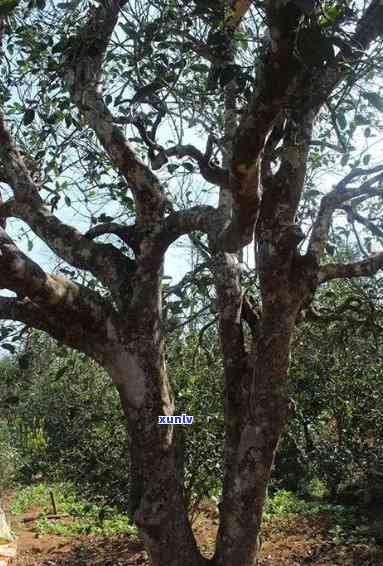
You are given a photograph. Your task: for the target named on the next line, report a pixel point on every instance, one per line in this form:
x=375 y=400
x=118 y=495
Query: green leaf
x=54 y=118
x=60 y=372
x=57 y=48
x=7 y=7
x=312 y=193
x=342 y=121
x=65 y=5
x=29 y=116
x=128 y=202
x=30 y=245
x=9 y=347
x=188 y=166
x=361 y=120
x=344 y=160
x=67 y=200
x=330 y=249
x=68 y=120
x=105 y=218
x=39 y=155
x=172 y=167
x=375 y=99
x=242 y=39
x=199 y=68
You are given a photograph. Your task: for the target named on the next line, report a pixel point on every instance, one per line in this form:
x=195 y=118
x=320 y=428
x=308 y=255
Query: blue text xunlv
x=175 y=419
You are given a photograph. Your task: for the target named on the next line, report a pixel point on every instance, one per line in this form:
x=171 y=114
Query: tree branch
x=250 y=315
x=197 y=218
x=60 y=304
x=210 y=172
x=17 y=173
x=283 y=192
x=128 y=234
x=276 y=84
x=340 y=194
x=369 y=28
x=236 y=13
x=83 y=62
x=282 y=80
x=350 y=210
x=20 y=274
x=104 y=261
x=91 y=322
x=364 y=268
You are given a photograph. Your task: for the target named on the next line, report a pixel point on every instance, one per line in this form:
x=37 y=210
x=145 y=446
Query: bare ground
x=297 y=540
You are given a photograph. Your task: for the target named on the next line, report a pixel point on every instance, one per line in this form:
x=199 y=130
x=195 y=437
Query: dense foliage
x=62 y=420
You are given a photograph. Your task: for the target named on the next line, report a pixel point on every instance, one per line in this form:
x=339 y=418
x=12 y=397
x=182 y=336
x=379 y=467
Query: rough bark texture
x=158 y=505
x=256 y=396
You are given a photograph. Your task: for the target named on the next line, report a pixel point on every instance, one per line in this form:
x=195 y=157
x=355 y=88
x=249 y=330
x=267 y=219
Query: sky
x=178 y=256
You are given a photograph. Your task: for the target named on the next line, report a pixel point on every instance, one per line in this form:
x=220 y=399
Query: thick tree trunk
x=256 y=403
x=259 y=428
x=159 y=508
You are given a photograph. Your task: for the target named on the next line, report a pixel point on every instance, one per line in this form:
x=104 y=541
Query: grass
x=285 y=502
x=346 y=524
x=79 y=516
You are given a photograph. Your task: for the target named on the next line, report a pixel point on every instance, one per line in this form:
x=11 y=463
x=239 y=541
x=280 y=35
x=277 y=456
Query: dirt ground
x=292 y=541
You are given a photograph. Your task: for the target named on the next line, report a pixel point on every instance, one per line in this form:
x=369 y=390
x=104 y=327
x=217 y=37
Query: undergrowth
x=75 y=515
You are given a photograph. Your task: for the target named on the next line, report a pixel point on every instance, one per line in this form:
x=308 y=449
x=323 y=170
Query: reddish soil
x=293 y=541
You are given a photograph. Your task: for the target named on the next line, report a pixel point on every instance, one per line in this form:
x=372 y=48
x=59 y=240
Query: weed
x=78 y=515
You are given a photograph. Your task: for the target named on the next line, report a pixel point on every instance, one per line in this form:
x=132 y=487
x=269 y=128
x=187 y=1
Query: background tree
x=264 y=83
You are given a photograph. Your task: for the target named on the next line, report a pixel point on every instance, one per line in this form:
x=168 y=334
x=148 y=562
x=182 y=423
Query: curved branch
x=84 y=56
x=187 y=280
x=51 y=302
x=211 y=173
x=368 y=30
x=364 y=221
x=350 y=304
x=104 y=261
x=197 y=218
x=340 y=194
x=20 y=274
x=128 y=234
x=90 y=337
x=364 y=268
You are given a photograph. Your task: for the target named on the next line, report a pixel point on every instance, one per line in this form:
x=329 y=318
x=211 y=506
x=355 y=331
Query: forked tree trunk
x=159 y=507
x=256 y=401
x=256 y=406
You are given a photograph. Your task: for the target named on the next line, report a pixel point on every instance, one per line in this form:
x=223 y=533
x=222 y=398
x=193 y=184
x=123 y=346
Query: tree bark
x=158 y=506
x=252 y=448
x=256 y=403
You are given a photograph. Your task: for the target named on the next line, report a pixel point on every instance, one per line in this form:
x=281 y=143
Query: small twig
x=53 y=501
